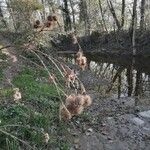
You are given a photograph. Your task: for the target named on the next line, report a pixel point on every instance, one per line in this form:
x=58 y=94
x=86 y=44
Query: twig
x=51 y=59
x=30 y=61
x=57 y=88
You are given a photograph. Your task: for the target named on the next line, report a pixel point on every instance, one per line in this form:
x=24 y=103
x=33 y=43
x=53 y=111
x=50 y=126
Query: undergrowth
x=3 y=64
x=33 y=116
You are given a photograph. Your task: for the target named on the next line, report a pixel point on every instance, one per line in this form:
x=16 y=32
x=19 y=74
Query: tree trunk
x=123 y=13
x=67 y=19
x=130 y=80
x=14 y=23
x=133 y=27
x=111 y=8
x=138 y=83
x=103 y=20
x=84 y=16
x=73 y=15
x=119 y=86
x=142 y=14
x=44 y=13
x=2 y=17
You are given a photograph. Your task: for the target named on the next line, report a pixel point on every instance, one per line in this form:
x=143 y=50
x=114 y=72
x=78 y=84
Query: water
x=127 y=76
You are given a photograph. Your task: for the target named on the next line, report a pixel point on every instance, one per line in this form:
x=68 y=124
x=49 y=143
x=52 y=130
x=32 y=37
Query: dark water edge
x=134 y=72
x=140 y=63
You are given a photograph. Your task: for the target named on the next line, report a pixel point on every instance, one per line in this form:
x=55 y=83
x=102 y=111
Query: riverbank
x=109 y=123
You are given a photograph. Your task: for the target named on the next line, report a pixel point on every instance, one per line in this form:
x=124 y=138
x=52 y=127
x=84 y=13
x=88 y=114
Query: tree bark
x=130 y=80
x=84 y=16
x=73 y=15
x=123 y=13
x=14 y=24
x=138 y=83
x=67 y=19
x=119 y=86
x=2 y=17
x=102 y=15
x=112 y=10
x=44 y=13
x=133 y=27
x=142 y=14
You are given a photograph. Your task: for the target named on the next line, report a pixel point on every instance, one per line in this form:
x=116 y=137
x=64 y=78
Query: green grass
x=3 y=64
x=35 y=114
x=33 y=89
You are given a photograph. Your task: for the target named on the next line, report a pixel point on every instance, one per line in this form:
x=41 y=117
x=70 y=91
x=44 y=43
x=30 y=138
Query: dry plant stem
x=23 y=126
x=82 y=86
x=51 y=59
x=70 y=69
x=41 y=67
x=80 y=49
x=57 y=88
x=30 y=61
x=14 y=137
x=59 y=26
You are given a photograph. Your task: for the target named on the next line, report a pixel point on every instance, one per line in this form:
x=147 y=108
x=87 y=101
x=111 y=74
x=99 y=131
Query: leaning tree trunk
x=142 y=14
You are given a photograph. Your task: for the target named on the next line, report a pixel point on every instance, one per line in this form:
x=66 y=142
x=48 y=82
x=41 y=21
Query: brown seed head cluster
x=81 y=60
x=74 y=105
x=50 y=22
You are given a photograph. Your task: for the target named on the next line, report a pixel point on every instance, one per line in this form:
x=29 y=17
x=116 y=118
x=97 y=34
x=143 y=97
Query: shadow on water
x=128 y=76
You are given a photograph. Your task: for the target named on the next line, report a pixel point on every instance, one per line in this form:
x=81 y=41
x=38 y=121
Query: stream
x=127 y=76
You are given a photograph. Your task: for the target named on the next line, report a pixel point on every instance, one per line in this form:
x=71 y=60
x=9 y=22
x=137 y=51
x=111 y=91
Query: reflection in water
x=127 y=77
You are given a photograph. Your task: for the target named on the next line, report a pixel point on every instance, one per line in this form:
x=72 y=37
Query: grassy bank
x=33 y=116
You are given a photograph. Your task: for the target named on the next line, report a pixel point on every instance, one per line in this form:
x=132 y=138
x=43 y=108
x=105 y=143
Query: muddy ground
x=111 y=123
